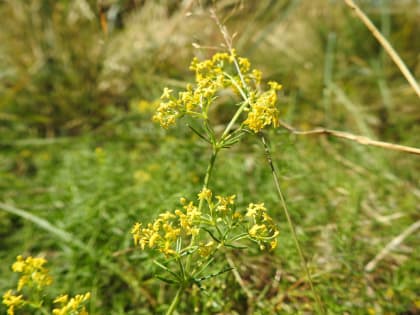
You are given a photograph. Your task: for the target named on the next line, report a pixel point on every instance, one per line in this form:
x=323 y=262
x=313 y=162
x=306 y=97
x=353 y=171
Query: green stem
x=216 y=146
x=175 y=301
x=209 y=171
x=234 y=119
x=186 y=272
x=239 y=111
x=215 y=150
x=320 y=307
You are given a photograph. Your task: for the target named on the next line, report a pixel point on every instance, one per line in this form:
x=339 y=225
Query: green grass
x=80 y=202
x=95 y=197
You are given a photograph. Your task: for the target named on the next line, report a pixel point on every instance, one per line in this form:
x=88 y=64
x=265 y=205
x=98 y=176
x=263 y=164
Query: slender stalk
x=209 y=171
x=175 y=301
x=235 y=117
x=186 y=270
x=215 y=150
x=386 y=45
x=320 y=307
x=352 y=137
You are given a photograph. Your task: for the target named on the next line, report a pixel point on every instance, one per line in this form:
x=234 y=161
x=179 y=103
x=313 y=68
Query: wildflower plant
x=205 y=229
x=29 y=293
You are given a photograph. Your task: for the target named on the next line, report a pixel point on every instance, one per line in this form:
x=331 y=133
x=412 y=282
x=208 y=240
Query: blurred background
x=79 y=81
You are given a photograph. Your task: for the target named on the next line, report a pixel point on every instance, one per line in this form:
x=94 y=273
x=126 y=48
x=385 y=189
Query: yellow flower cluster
x=263 y=230
x=33 y=272
x=220 y=221
x=224 y=203
x=35 y=275
x=168 y=110
x=194 y=101
x=12 y=301
x=258 y=224
x=163 y=233
x=205 y=194
x=223 y=206
x=215 y=74
x=204 y=250
x=74 y=306
x=263 y=111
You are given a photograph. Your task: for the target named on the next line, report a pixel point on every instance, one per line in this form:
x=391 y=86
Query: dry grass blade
x=241 y=282
x=349 y=136
x=386 y=45
x=392 y=245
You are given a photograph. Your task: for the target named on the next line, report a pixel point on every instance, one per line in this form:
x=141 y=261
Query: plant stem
x=186 y=271
x=320 y=307
x=175 y=301
x=209 y=171
x=234 y=119
x=386 y=45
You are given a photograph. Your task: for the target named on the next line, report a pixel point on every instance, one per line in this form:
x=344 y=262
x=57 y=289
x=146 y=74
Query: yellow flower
x=233 y=55
x=171 y=233
x=257 y=76
x=263 y=230
x=257 y=229
x=205 y=194
x=167 y=113
x=163 y=232
x=255 y=209
x=273 y=243
x=166 y=93
x=74 y=306
x=166 y=216
x=389 y=293
x=136 y=232
x=213 y=75
x=12 y=301
x=153 y=239
x=275 y=86
x=263 y=110
x=237 y=215
x=224 y=202
x=244 y=64
x=33 y=272
x=61 y=299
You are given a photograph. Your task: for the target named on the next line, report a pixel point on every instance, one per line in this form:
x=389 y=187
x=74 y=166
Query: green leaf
x=211 y=234
x=167 y=280
x=199 y=134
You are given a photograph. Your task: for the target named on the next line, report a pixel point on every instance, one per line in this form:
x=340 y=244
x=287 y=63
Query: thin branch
x=349 y=136
x=386 y=45
x=392 y=245
x=320 y=306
